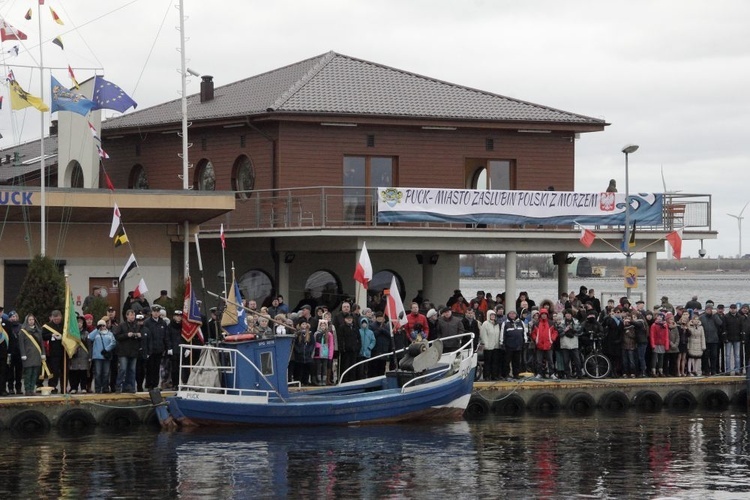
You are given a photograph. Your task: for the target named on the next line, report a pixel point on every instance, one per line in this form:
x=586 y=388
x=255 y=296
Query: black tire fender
x=75 y=419
x=580 y=404
x=120 y=418
x=680 y=400
x=714 y=400
x=478 y=407
x=511 y=405
x=30 y=422
x=614 y=402
x=648 y=402
x=544 y=404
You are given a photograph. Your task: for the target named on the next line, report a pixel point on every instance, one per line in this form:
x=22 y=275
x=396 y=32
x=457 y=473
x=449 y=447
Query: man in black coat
x=128 y=348
x=52 y=333
x=156 y=346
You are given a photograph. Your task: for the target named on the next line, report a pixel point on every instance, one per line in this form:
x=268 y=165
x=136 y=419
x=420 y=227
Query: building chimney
x=207 y=88
x=53 y=127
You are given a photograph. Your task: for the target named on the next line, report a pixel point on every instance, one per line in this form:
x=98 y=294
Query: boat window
x=266 y=363
x=325 y=287
x=205 y=177
x=243 y=177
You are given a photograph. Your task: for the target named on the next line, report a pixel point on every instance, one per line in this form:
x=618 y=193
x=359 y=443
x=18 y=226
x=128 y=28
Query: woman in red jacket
x=659 y=344
x=544 y=335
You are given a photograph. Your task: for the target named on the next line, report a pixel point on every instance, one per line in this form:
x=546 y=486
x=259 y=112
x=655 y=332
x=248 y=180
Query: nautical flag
x=675 y=240
x=221 y=235
x=58 y=41
x=8 y=32
x=108 y=182
x=55 y=17
x=107 y=95
x=363 y=271
x=395 y=307
x=1 y=102
x=631 y=240
x=28 y=15
x=65 y=100
x=191 y=315
x=233 y=319
x=13 y=50
x=129 y=266
x=102 y=154
x=141 y=289
x=587 y=237
x=93 y=132
x=11 y=77
x=20 y=99
x=121 y=237
x=71 y=337
x=115 y=221
x=73 y=77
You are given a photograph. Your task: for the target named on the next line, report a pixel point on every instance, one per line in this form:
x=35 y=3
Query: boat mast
x=43 y=220
x=185 y=164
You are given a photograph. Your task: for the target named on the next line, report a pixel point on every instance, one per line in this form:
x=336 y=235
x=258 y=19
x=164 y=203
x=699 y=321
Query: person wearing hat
x=129 y=337
x=544 y=334
x=155 y=345
x=449 y=326
x=15 y=365
x=350 y=344
x=712 y=328
x=52 y=332
x=174 y=339
x=659 y=338
x=513 y=338
x=734 y=324
x=367 y=343
x=665 y=305
x=102 y=350
x=163 y=299
x=489 y=339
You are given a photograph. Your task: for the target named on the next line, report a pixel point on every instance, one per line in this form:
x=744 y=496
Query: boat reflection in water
x=693 y=455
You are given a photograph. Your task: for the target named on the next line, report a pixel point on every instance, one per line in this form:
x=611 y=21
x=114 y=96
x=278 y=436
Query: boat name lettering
x=15 y=198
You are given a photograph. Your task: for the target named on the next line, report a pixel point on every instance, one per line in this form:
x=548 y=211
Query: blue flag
x=107 y=95
x=65 y=100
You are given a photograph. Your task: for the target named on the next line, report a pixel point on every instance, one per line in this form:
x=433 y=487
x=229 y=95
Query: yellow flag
x=20 y=99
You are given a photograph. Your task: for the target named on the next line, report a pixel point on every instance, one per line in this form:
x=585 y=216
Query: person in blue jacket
x=102 y=350
x=367 y=338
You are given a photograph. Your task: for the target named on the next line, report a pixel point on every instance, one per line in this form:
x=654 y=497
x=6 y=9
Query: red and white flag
x=8 y=32
x=140 y=289
x=587 y=237
x=395 y=307
x=92 y=129
x=115 y=222
x=675 y=240
x=102 y=154
x=221 y=235
x=363 y=272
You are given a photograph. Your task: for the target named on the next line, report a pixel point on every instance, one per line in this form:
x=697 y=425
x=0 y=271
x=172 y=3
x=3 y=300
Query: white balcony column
x=562 y=273
x=651 y=275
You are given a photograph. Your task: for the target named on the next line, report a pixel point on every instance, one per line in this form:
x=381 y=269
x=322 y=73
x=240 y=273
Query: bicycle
x=596 y=364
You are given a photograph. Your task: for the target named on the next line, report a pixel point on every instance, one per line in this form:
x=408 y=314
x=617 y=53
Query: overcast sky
x=672 y=76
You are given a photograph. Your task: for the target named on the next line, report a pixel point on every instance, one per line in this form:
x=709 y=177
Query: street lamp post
x=630 y=148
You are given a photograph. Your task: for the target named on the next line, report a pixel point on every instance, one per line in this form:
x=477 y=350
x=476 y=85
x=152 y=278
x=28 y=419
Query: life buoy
x=77 y=420
x=30 y=423
x=239 y=337
x=512 y=405
x=544 y=404
x=120 y=418
x=680 y=400
x=714 y=400
x=614 y=402
x=478 y=407
x=580 y=404
x=648 y=402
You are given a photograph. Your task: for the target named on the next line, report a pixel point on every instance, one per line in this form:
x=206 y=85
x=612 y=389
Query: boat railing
x=465 y=346
x=234 y=355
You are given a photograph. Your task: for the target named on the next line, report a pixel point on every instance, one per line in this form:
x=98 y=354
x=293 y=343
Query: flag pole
x=200 y=268
x=387 y=292
x=224 y=265
x=42 y=191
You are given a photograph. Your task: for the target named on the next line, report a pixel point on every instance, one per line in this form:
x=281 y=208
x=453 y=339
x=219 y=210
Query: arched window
x=205 y=177
x=74 y=177
x=138 y=178
x=492 y=174
x=325 y=287
x=255 y=285
x=243 y=177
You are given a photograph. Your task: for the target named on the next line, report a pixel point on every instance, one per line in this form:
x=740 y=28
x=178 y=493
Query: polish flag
x=675 y=240
x=587 y=237
x=140 y=289
x=221 y=235
x=395 y=307
x=363 y=272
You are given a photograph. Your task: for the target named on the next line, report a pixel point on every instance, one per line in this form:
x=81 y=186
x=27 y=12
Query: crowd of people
x=514 y=339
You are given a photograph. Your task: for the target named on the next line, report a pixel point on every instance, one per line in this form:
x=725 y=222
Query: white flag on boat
x=363 y=272
x=395 y=307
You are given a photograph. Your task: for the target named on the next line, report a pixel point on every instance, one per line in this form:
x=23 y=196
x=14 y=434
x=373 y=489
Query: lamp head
x=630 y=148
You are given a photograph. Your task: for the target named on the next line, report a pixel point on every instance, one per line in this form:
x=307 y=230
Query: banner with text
x=472 y=206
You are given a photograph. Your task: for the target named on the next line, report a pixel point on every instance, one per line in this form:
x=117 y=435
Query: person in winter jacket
x=128 y=338
x=513 y=337
x=696 y=346
x=52 y=332
x=569 y=331
x=629 y=346
x=367 y=344
x=544 y=335
x=712 y=328
x=350 y=344
x=323 y=352
x=102 y=341
x=33 y=356
x=304 y=351
x=733 y=330
x=382 y=344
x=659 y=338
x=489 y=338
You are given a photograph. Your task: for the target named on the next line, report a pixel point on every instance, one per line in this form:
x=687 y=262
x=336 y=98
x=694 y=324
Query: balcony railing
x=335 y=207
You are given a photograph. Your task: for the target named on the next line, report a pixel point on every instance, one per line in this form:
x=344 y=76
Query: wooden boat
x=245 y=383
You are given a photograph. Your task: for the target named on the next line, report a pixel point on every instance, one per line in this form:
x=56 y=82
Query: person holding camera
x=103 y=345
x=128 y=350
